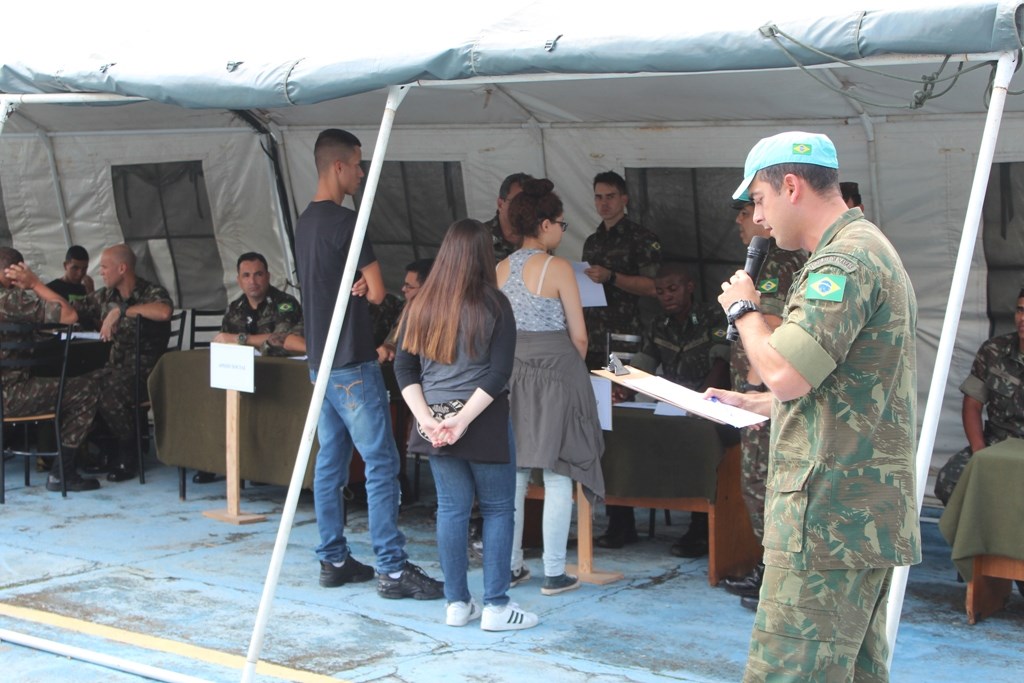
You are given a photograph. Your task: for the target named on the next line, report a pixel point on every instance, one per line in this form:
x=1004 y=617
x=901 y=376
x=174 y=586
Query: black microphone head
x=758 y=245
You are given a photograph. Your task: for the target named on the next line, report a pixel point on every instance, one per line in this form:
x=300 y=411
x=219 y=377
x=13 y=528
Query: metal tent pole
x=1004 y=72
x=395 y=96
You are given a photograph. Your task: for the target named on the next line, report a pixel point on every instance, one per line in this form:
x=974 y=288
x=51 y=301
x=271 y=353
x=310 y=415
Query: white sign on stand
x=232 y=367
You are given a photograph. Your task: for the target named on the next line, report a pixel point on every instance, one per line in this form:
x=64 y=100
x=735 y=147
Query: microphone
x=757 y=252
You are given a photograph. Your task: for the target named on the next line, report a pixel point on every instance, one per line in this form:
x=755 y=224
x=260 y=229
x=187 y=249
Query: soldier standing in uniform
x=840 y=511
x=995 y=386
x=688 y=344
x=24 y=298
x=623 y=256
x=773 y=284
x=112 y=310
x=504 y=237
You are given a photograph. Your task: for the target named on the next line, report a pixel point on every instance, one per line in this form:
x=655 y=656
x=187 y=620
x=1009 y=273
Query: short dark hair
x=740 y=204
x=9 y=256
x=421 y=267
x=332 y=144
x=1020 y=294
x=531 y=207
x=251 y=256
x=514 y=179
x=851 y=191
x=76 y=253
x=611 y=178
x=668 y=268
x=821 y=178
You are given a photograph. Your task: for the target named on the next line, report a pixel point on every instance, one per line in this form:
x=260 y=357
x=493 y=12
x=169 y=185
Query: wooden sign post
x=232 y=368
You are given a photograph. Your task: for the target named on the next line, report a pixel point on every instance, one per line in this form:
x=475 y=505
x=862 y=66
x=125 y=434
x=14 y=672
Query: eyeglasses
x=406 y=285
x=564 y=224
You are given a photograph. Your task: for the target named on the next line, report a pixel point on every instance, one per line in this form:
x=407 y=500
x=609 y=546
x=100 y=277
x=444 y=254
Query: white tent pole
x=940 y=374
x=395 y=96
x=58 y=187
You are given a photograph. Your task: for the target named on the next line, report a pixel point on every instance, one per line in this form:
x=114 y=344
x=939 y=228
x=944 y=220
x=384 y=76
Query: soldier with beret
x=841 y=509
x=623 y=256
x=112 y=310
x=24 y=298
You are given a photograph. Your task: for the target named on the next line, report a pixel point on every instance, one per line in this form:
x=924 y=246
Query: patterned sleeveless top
x=533 y=313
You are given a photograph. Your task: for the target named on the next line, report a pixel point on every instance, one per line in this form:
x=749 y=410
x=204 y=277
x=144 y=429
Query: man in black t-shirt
x=355 y=410
x=75 y=284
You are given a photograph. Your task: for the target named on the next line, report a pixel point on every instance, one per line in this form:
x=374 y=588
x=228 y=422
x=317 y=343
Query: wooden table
x=676 y=463
x=984 y=524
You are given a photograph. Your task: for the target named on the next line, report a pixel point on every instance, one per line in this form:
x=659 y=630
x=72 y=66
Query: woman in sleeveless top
x=554 y=413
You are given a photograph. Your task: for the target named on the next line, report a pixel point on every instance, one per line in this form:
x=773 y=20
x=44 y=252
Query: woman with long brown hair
x=455 y=348
x=554 y=413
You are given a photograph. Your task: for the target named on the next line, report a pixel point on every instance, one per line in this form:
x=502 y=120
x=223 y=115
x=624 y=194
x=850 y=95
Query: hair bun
x=538 y=187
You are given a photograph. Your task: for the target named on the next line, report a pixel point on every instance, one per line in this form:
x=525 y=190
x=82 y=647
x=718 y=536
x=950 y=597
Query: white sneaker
x=508 y=617
x=461 y=613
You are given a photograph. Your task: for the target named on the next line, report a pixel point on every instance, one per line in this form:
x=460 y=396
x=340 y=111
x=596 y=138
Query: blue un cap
x=794 y=147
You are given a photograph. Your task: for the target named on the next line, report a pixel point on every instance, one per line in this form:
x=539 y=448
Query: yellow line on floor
x=161 y=644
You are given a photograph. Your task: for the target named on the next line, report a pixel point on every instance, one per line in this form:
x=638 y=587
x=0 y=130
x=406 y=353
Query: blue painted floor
x=139 y=561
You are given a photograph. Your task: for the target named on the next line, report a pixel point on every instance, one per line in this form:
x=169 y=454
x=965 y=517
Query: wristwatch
x=740 y=308
x=746 y=387
x=242 y=338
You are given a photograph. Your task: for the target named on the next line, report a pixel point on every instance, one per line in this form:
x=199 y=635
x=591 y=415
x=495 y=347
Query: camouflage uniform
x=114 y=381
x=629 y=249
x=502 y=249
x=841 y=509
x=26 y=395
x=997 y=382
x=384 y=317
x=773 y=283
x=686 y=349
x=278 y=315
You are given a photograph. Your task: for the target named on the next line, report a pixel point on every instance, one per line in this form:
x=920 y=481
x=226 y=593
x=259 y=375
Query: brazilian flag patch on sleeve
x=825 y=287
x=769 y=286
x=284 y=307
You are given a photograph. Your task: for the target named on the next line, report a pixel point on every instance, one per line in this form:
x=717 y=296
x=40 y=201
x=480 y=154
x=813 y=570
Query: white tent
x=562 y=90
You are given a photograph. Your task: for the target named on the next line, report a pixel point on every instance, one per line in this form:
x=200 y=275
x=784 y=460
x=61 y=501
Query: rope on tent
x=919 y=98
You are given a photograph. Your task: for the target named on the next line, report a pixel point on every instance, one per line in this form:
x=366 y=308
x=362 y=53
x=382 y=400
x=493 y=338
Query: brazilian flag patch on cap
x=802 y=149
x=768 y=286
x=825 y=287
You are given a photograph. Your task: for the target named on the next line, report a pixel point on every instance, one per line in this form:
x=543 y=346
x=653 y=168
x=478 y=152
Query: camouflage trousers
x=116 y=389
x=754 y=444
x=38 y=395
x=824 y=626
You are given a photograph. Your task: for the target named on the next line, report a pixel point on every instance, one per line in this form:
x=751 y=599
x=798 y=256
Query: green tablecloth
x=655 y=456
x=189 y=416
x=985 y=514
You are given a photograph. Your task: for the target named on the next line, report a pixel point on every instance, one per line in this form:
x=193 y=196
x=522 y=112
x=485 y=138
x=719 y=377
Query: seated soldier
x=263 y=317
x=112 y=310
x=688 y=344
x=995 y=385
x=24 y=298
x=415 y=275
x=75 y=283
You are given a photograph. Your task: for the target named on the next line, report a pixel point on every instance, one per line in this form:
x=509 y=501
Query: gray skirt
x=554 y=412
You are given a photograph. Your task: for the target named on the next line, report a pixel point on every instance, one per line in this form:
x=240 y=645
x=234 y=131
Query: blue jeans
x=494 y=485
x=356 y=412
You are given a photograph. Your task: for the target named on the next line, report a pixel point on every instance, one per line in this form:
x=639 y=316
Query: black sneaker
x=521 y=575
x=413 y=583
x=76 y=482
x=353 y=571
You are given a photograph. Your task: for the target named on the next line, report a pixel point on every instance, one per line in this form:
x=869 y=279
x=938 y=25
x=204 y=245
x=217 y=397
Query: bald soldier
x=113 y=310
x=841 y=510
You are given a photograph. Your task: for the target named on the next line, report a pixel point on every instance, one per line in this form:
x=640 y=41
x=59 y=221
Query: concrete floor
x=133 y=572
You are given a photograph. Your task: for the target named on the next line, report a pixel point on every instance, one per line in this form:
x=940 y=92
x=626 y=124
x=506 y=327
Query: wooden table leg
x=732 y=547
x=585 y=545
x=233 y=514
x=990 y=586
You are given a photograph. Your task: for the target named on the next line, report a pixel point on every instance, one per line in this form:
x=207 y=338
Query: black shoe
x=616 y=538
x=690 y=545
x=749 y=602
x=98 y=467
x=413 y=583
x=201 y=477
x=747 y=585
x=352 y=571
x=76 y=482
x=121 y=473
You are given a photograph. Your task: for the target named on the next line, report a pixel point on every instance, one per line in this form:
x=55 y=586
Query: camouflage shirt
x=626 y=248
x=502 y=248
x=841 y=471
x=21 y=306
x=278 y=315
x=384 y=317
x=685 y=349
x=997 y=381
x=155 y=334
